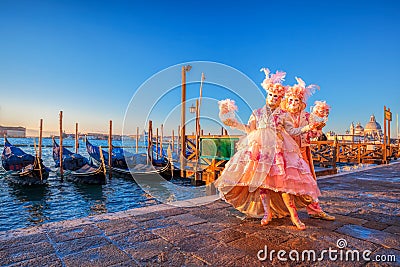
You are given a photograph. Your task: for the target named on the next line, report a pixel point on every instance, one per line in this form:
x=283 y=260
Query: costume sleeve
x=247 y=128
x=252 y=118
x=240 y=127
x=290 y=129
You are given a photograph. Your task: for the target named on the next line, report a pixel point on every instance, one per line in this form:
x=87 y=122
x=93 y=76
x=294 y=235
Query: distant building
x=102 y=136
x=358 y=129
x=371 y=132
x=98 y=136
x=344 y=137
x=13 y=131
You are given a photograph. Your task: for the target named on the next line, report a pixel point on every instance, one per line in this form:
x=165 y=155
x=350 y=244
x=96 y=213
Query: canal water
x=23 y=206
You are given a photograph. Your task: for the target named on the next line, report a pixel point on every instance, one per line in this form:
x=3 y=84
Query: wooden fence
x=328 y=153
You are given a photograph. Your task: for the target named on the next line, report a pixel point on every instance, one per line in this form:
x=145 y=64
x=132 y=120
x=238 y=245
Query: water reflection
x=168 y=192
x=93 y=195
x=33 y=199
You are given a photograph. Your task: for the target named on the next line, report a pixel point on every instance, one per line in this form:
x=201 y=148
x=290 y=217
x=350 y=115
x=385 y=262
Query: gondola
x=173 y=157
x=126 y=164
x=87 y=175
x=32 y=174
x=23 y=168
x=14 y=158
x=71 y=161
x=77 y=168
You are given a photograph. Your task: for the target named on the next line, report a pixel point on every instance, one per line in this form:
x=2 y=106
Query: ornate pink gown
x=267 y=158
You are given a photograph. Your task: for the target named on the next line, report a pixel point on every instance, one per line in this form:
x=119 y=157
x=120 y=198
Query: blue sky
x=88 y=58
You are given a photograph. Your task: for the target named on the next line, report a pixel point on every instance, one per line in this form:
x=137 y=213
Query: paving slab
x=117 y=226
x=101 y=256
x=174 y=233
x=219 y=254
x=144 y=251
x=157 y=223
x=375 y=236
x=25 y=252
x=14 y=241
x=130 y=239
x=394 y=229
x=79 y=244
x=75 y=232
x=228 y=235
x=173 y=257
x=187 y=219
x=47 y=261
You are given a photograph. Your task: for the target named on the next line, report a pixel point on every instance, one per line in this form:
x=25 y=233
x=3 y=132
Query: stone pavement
x=366 y=205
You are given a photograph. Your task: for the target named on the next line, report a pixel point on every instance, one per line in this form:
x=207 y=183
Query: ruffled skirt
x=270 y=160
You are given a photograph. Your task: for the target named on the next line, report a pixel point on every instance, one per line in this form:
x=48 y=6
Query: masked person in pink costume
x=267 y=173
x=295 y=103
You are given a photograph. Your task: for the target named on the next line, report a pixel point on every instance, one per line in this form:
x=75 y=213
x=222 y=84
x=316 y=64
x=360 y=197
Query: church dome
x=359 y=130
x=359 y=127
x=372 y=125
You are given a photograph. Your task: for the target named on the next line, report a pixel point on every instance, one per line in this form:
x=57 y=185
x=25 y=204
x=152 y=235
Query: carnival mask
x=321 y=112
x=273 y=100
x=293 y=103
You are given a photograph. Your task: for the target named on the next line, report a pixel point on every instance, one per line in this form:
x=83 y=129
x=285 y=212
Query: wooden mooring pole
x=61 y=146
x=150 y=142
x=178 y=140
x=161 y=140
x=40 y=138
x=110 y=151
x=397 y=129
x=183 y=121
x=102 y=162
x=197 y=176
x=197 y=129
x=76 y=139
x=198 y=173
x=389 y=120
x=173 y=140
x=137 y=140
x=384 y=160
x=198 y=106
x=37 y=159
x=157 y=143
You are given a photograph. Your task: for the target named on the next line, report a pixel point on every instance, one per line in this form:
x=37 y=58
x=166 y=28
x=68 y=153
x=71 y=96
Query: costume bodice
x=266 y=118
x=299 y=120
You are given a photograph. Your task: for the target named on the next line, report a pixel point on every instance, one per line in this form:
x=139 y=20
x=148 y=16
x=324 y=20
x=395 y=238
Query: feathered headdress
x=321 y=105
x=300 y=90
x=227 y=105
x=273 y=83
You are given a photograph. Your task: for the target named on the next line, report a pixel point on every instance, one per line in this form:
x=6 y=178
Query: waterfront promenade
x=365 y=203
